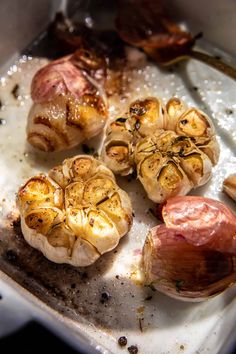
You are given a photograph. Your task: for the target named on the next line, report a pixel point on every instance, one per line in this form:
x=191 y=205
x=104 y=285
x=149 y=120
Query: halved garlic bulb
x=76 y=213
x=69 y=104
x=229 y=186
x=172 y=147
x=192 y=256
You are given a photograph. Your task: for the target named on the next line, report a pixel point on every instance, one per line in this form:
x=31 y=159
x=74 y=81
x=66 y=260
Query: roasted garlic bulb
x=172 y=147
x=192 y=256
x=69 y=104
x=229 y=186
x=76 y=213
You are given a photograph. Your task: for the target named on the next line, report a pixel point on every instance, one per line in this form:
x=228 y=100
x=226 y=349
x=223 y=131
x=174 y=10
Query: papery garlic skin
x=172 y=147
x=69 y=105
x=75 y=214
x=229 y=186
x=192 y=256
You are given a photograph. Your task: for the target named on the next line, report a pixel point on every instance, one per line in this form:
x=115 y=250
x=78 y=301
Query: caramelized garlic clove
x=195 y=124
x=43 y=219
x=74 y=195
x=174 y=108
x=197 y=167
x=147 y=115
x=117 y=155
x=39 y=191
x=118 y=208
x=211 y=148
x=97 y=189
x=229 y=186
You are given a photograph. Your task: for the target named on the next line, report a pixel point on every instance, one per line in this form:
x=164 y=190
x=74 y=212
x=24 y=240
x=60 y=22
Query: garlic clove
x=175 y=108
x=118 y=213
x=97 y=189
x=147 y=115
x=195 y=124
x=197 y=167
x=43 y=219
x=229 y=186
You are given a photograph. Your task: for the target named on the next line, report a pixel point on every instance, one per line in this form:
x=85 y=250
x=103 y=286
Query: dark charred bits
x=133 y=214
x=11 y=256
x=2 y=121
x=91 y=222
x=137 y=125
x=105 y=297
x=73 y=286
x=0 y=297
x=122 y=341
x=15 y=91
x=121 y=120
x=148 y=298
x=218 y=57
x=0 y=104
x=138 y=110
x=88 y=149
x=133 y=349
x=195 y=88
x=229 y=111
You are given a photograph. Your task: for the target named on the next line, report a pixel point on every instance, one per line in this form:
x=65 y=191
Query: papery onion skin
x=229 y=186
x=192 y=256
x=69 y=103
x=75 y=214
x=182 y=139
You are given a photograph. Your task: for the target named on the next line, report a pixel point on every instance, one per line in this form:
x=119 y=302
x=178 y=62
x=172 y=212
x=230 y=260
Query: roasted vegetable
x=172 y=147
x=76 y=213
x=229 y=186
x=69 y=104
x=192 y=256
x=146 y=24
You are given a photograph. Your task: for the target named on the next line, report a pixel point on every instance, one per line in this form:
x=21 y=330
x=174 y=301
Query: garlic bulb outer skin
x=229 y=186
x=69 y=106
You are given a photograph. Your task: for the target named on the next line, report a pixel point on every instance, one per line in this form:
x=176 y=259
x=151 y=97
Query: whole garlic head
x=69 y=104
x=229 y=186
x=76 y=213
x=172 y=147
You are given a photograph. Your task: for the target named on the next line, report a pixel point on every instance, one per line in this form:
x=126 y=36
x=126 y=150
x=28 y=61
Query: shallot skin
x=69 y=104
x=192 y=256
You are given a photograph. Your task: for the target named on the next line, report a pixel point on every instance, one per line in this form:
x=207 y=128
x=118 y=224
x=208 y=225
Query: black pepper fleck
x=229 y=111
x=2 y=121
x=195 y=88
x=133 y=349
x=121 y=120
x=122 y=341
x=148 y=298
x=105 y=297
x=137 y=125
